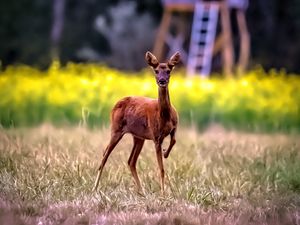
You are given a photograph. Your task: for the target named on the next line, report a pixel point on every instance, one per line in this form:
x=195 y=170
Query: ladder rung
x=197 y=51
x=201 y=24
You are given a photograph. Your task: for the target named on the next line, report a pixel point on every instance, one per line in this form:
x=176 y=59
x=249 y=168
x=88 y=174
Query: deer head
x=162 y=70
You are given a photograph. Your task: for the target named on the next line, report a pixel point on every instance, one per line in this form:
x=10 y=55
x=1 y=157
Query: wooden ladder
x=202 y=38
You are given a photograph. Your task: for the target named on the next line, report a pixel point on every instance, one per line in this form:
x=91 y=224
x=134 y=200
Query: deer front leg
x=161 y=166
x=172 y=143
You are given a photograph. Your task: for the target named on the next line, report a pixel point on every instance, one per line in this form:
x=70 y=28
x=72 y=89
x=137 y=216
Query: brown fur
x=145 y=118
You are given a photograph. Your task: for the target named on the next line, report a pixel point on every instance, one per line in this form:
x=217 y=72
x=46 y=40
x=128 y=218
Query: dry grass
x=216 y=177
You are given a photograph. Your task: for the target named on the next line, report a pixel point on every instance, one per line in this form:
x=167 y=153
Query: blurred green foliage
x=85 y=93
x=26 y=27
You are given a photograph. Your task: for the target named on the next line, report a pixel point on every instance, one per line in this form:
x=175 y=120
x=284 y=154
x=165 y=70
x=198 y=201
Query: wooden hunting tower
x=203 y=42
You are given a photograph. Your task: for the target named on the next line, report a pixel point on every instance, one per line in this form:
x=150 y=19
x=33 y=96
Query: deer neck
x=164 y=105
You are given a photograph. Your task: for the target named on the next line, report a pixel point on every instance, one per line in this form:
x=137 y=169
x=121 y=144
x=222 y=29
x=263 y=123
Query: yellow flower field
x=85 y=93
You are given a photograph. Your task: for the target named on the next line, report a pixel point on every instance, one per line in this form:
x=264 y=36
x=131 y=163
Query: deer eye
x=168 y=71
x=156 y=71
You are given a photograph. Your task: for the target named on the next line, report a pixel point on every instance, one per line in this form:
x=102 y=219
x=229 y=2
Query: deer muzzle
x=162 y=82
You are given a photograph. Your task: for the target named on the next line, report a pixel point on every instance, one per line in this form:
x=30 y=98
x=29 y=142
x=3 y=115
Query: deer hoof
x=166 y=154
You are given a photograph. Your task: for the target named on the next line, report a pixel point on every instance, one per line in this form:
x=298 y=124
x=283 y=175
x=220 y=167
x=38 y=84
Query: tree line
x=118 y=32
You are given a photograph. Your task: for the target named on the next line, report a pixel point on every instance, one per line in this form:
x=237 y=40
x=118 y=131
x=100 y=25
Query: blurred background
x=110 y=30
x=68 y=62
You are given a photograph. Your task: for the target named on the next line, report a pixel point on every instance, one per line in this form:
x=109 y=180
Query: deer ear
x=174 y=60
x=151 y=59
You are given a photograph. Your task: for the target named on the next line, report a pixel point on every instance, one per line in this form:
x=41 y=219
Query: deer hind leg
x=172 y=143
x=161 y=166
x=136 y=150
x=115 y=138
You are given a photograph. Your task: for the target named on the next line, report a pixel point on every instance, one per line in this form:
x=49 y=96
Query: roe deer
x=145 y=118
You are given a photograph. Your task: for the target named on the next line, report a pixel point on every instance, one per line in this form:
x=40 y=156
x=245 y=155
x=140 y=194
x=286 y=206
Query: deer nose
x=162 y=81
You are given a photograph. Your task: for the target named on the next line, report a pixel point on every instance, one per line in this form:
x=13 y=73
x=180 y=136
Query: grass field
x=214 y=177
